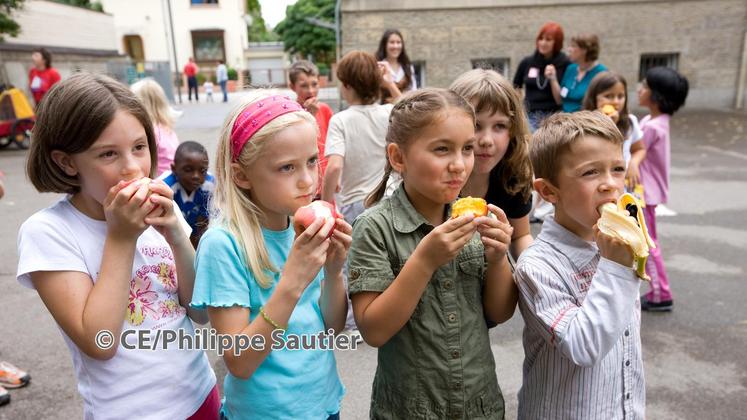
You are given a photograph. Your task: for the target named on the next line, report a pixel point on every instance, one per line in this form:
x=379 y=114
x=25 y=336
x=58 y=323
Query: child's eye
x=469 y=147
x=203 y=171
x=110 y=153
x=500 y=127
x=286 y=168
x=477 y=127
x=141 y=146
x=619 y=169
x=313 y=161
x=441 y=149
x=590 y=172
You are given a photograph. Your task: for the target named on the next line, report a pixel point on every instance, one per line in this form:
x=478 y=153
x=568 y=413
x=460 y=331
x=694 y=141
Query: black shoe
x=663 y=306
x=4 y=396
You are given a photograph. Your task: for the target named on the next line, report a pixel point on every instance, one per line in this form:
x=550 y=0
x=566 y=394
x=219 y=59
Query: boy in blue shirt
x=192 y=186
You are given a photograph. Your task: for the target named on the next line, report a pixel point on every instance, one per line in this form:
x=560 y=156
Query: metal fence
x=130 y=73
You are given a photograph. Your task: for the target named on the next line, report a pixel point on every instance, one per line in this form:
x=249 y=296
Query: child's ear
x=173 y=167
x=65 y=162
x=396 y=158
x=239 y=177
x=546 y=190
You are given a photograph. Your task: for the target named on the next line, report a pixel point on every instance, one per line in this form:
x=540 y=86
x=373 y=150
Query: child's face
x=190 y=169
x=592 y=173
x=285 y=174
x=644 y=94
x=614 y=96
x=493 y=133
x=120 y=153
x=575 y=53
x=438 y=163
x=306 y=87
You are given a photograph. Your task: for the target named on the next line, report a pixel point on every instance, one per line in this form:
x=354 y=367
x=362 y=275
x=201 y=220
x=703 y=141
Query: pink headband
x=255 y=116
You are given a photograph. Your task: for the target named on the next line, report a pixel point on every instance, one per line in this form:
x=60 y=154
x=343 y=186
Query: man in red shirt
x=42 y=76
x=190 y=70
x=304 y=81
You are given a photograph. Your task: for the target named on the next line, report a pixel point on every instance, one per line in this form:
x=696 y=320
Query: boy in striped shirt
x=578 y=292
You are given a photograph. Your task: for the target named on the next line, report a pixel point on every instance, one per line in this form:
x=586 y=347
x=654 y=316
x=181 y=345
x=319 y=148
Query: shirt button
x=627 y=333
x=627 y=396
x=447 y=285
x=627 y=363
x=455 y=354
x=354 y=274
x=456 y=385
x=451 y=317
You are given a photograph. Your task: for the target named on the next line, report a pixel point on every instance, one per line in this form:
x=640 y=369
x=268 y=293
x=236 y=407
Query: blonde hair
x=488 y=91
x=231 y=206
x=155 y=102
x=414 y=112
x=558 y=132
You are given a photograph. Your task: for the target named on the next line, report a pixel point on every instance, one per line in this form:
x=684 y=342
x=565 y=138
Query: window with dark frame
x=500 y=64
x=648 y=61
x=208 y=46
x=419 y=73
x=195 y=2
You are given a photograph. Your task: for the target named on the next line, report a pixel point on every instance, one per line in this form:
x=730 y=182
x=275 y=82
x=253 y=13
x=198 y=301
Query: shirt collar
x=579 y=251
x=406 y=218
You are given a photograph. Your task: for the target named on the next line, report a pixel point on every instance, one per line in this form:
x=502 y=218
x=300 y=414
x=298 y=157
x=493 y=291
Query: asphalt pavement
x=695 y=360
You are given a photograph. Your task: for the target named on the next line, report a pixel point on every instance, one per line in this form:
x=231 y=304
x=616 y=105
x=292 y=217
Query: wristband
x=270 y=321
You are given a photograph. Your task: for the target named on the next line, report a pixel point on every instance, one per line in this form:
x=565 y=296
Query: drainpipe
x=338 y=49
x=739 y=102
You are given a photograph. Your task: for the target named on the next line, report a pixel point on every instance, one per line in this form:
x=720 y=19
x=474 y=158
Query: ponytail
x=378 y=193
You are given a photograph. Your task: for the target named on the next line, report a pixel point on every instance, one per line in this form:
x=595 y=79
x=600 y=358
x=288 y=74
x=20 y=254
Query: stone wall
x=707 y=34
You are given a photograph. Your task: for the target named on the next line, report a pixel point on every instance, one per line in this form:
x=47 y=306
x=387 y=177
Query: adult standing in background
x=570 y=91
x=190 y=70
x=530 y=75
x=392 y=54
x=221 y=75
x=42 y=76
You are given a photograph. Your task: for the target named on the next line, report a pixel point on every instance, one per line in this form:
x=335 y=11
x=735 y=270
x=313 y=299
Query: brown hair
x=488 y=91
x=415 y=111
x=601 y=83
x=302 y=66
x=71 y=118
x=559 y=131
x=554 y=31
x=590 y=43
x=360 y=71
x=46 y=56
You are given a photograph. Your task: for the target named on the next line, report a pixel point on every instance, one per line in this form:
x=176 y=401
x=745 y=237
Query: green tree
x=7 y=24
x=306 y=38
x=258 y=29
x=87 y=4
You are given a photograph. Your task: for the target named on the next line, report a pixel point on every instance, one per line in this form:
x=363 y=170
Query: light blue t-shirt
x=576 y=89
x=288 y=383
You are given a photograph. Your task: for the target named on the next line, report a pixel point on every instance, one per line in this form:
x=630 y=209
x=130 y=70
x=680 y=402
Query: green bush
x=233 y=74
x=200 y=78
x=323 y=69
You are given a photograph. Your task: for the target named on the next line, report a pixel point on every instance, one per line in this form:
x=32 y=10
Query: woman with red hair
x=532 y=78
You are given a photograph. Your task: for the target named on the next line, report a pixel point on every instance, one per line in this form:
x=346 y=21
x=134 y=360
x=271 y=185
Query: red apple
x=306 y=215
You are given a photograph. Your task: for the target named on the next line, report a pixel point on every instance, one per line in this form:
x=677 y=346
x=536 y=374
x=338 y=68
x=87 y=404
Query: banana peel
x=625 y=222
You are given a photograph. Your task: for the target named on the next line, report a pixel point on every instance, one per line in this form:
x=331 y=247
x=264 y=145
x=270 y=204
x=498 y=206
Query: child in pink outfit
x=663 y=92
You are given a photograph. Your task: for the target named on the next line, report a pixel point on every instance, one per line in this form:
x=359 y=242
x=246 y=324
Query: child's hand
x=339 y=245
x=632 y=175
x=309 y=252
x=125 y=208
x=495 y=233
x=312 y=105
x=444 y=242
x=613 y=249
x=163 y=217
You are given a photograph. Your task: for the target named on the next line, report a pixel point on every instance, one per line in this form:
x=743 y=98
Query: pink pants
x=655 y=265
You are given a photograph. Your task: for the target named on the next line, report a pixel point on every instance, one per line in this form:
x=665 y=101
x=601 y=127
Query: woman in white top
x=392 y=54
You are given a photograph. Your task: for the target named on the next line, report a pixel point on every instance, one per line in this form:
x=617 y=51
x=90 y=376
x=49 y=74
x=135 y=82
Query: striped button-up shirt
x=582 y=341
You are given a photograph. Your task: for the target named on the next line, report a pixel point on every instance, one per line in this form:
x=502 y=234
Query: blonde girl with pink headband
x=262 y=285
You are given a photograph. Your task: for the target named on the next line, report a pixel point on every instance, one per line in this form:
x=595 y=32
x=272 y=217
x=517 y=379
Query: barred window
x=648 y=61
x=500 y=64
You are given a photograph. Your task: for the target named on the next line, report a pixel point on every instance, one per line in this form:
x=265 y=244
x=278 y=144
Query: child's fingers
x=125 y=193
x=342 y=226
x=312 y=230
x=498 y=212
x=496 y=245
x=160 y=187
x=345 y=239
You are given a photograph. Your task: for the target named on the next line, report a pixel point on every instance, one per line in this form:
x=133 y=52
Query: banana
x=625 y=222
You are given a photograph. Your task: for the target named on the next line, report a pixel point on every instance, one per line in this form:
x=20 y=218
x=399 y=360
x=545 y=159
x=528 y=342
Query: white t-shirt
x=400 y=74
x=134 y=383
x=635 y=135
x=358 y=134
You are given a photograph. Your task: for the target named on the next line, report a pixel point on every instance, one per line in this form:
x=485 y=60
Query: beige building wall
x=447 y=35
x=149 y=19
x=54 y=24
